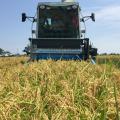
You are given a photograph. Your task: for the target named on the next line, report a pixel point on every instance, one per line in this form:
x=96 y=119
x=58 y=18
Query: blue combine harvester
x=58 y=33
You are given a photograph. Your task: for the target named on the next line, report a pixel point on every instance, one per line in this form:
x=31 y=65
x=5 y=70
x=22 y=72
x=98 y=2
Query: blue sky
x=104 y=33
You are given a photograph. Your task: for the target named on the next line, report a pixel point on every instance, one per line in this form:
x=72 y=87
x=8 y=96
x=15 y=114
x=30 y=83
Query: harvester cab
x=58 y=33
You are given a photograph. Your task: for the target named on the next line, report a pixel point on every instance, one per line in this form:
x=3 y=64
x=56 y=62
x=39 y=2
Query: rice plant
x=58 y=90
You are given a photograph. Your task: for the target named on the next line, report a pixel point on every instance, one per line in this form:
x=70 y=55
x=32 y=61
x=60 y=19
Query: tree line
x=3 y=52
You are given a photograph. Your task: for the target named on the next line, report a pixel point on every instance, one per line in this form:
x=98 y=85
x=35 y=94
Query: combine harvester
x=58 y=33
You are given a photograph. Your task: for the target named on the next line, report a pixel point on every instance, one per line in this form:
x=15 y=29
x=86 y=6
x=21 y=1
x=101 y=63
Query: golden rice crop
x=58 y=90
x=109 y=59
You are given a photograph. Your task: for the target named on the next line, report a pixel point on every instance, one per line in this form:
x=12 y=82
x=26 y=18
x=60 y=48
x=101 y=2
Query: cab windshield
x=58 y=22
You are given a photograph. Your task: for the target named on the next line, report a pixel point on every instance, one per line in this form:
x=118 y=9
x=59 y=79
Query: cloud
x=108 y=19
x=105 y=32
x=109 y=13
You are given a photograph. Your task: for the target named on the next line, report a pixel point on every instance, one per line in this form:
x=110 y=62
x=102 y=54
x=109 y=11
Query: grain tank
x=58 y=33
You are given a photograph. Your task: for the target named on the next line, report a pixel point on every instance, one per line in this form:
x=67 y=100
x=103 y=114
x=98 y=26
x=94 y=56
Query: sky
x=104 y=34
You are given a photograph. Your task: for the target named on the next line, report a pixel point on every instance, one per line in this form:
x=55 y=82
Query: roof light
x=48 y=8
x=74 y=6
x=42 y=7
x=68 y=8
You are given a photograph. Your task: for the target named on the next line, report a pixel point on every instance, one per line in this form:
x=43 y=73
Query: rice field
x=59 y=90
x=109 y=59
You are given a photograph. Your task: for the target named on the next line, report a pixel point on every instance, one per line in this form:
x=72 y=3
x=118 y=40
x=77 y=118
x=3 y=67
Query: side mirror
x=93 y=16
x=83 y=31
x=24 y=17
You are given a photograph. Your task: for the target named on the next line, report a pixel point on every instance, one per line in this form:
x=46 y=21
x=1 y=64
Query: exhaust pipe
x=68 y=0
